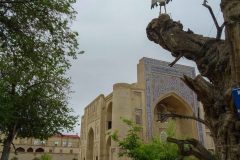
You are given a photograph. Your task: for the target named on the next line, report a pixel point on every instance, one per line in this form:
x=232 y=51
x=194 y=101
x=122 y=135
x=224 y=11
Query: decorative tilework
x=161 y=79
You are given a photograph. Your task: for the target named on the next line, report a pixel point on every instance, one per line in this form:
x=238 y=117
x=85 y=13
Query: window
x=37 y=142
x=60 y=150
x=69 y=144
x=71 y=151
x=50 y=150
x=138 y=116
x=43 y=142
x=56 y=143
x=109 y=125
x=64 y=144
x=138 y=119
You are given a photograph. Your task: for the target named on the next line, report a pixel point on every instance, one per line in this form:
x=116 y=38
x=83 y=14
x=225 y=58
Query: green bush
x=45 y=157
x=133 y=146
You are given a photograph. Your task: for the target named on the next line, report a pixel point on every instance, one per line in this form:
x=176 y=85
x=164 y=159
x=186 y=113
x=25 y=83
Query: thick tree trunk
x=231 y=13
x=6 y=150
x=7 y=145
x=219 y=61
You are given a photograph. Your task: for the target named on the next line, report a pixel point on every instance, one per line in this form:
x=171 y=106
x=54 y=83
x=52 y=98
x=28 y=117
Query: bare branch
x=15 y=151
x=164 y=116
x=210 y=54
x=219 y=29
x=177 y=59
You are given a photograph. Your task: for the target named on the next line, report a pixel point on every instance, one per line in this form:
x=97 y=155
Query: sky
x=113 y=35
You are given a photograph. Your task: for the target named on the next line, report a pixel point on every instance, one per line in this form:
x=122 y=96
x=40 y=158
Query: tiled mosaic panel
x=161 y=79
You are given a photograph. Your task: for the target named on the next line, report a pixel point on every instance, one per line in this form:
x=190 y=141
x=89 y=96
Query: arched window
x=20 y=149
x=30 y=150
x=39 y=150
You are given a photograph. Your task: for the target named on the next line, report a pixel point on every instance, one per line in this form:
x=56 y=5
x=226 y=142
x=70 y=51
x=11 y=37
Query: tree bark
x=191 y=147
x=219 y=62
x=231 y=14
x=7 y=144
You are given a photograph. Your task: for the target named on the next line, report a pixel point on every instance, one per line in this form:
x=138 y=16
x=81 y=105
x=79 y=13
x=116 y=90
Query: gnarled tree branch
x=195 y=148
x=201 y=87
x=210 y=54
x=165 y=116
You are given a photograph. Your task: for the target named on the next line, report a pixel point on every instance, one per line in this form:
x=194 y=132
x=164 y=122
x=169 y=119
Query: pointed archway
x=108 y=149
x=90 y=144
x=173 y=103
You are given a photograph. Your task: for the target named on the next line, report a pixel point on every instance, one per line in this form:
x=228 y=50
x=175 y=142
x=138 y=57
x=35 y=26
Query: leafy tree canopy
x=36 y=46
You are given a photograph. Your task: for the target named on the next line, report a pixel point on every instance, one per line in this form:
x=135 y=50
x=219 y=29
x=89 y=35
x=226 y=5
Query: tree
x=218 y=63
x=134 y=147
x=37 y=44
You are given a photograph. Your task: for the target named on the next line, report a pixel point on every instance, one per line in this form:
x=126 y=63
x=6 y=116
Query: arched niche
x=90 y=144
x=108 y=149
x=173 y=103
x=109 y=116
x=39 y=150
x=20 y=149
x=30 y=149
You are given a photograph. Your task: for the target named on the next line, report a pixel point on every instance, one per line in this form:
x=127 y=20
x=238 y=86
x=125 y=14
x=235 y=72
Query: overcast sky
x=113 y=35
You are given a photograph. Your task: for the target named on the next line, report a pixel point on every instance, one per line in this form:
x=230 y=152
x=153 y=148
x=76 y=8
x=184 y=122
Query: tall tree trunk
x=219 y=61
x=231 y=13
x=7 y=144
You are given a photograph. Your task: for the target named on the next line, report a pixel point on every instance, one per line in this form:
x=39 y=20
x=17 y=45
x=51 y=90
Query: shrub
x=14 y=158
x=133 y=146
x=46 y=157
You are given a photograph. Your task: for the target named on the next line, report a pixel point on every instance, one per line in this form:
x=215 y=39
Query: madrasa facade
x=158 y=88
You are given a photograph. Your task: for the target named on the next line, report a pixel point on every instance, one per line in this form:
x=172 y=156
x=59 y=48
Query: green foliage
x=37 y=46
x=171 y=128
x=133 y=146
x=45 y=157
x=190 y=158
x=14 y=158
